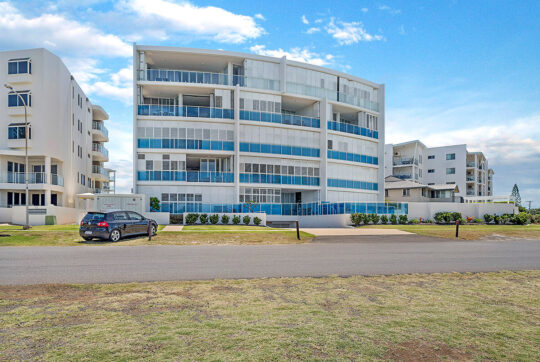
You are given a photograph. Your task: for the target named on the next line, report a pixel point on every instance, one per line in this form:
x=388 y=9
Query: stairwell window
x=20 y=66
x=16 y=132
x=15 y=101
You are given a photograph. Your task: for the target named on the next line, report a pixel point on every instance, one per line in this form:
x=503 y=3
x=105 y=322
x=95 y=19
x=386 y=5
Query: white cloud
x=260 y=17
x=121 y=155
x=364 y=10
x=119 y=87
x=296 y=54
x=305 y=20
x=389 y=9
x=204 y=21
x=349 y=33
x=313 y=30
x=57 y=33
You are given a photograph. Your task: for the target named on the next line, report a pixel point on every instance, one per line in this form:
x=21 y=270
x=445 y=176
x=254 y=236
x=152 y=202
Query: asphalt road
x=346 y=255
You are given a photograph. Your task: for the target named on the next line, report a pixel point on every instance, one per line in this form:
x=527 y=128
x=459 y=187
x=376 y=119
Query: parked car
x=114 y=225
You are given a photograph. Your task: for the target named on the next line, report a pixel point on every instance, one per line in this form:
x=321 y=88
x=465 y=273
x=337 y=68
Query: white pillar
x=229 y=73
x=48 y=177
x=237 y=144
x=323 y=145
x=283 y=74
x=380 y=150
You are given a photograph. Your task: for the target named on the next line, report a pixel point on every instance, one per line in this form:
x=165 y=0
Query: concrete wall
x=427 y=210
x=64 y=215
x=162 y=218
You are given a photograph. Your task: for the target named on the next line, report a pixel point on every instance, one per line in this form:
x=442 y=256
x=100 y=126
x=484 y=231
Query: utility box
x=112 y=202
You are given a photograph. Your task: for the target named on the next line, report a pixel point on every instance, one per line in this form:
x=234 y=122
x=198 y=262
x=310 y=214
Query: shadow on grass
x=119 y=242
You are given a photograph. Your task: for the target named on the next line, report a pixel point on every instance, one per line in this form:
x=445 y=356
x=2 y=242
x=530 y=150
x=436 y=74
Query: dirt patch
x=60 y=292
x=421 y=350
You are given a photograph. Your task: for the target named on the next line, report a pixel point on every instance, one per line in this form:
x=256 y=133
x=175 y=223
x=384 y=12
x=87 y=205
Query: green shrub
x=176 y=219
x=477 y=221
x=355 y=218
x=384 y=219
x=403 y=219
x=488 y=218
x=535 y=219
x=246 y=219
x=236 y=220
x=428 y=221
x=191 y=218
x=439 y=217
x=375 y=219
x=521 y=219
x=497 y=219
x=256 y=221
x=224 y=219
x=214 y=219
x=154 y=204
x=393 y=219
x=203 y=218
x=457 y=216
x=413 y=221
x=505 y=218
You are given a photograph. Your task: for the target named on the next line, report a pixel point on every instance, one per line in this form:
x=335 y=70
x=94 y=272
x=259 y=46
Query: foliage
x=176 y=218
x=448 y=217
x=224 y=219
x=413 y=221
x=477 y=221
x=488 y=218
x=521 y=219
x=214 y=219
x=203 y=218
x=522 y=209
x=384 y=219
x=403 y=219
x=191 y=218
x=375 y=218
x=236 y=220
x=154 y=204
x=515 y=194
x=497 y=219
x=246 y=219
x=393 y=219
x=357 y=218
x=256 y=221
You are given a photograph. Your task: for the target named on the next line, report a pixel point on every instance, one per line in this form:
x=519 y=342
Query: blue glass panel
x=266 y=148
x=244 y=147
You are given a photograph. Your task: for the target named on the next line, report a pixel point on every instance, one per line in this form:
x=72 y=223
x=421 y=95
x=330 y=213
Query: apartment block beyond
x=66 y=136
x=448 y=165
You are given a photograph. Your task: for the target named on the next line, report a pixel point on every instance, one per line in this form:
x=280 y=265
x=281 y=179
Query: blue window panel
x=276 y=118
x=306 y=152
x=141 y=175
x=287 y=119
x=254 y=116
x=244 y=147
x=363 y=158
x=266 y=117
x=216 y=145
x=266 y=148
x=356 y=158
x=165 y=143
x=155 y=143
x=254 y=147
x=190 y=144
x=276 y=149
x=286 y=150
x=375 y=187
x=297 y=151
x=143 y=143
x=244 y=115
x=276 y=179
x=375 y=134
x=305 y=181
x=350 y=157
x=244 y=178
x=13 y=100
x=375 y=160
x=181 y=144
x=297 y=180
x=228 y=146
x=206 y=145
x=256 y=178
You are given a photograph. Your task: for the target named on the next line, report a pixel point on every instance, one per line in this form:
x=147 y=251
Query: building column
x=48 y=177
x=323 y=145
x=381 y=125
x=283 y=74
x=229 y=73
x=237 y=144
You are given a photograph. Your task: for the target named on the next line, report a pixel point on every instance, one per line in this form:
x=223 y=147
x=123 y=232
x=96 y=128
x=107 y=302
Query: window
x=19 y=66
x=120 y=216
x=17 y=132
x=451 y=171
x=450 y=156
x=135 y=216
x=406 y=192
x=385 y=193
x=431 y=170
x=431 y=157
x=219 y=101
x=15 y=101
x=242 y=103
x=330 y=144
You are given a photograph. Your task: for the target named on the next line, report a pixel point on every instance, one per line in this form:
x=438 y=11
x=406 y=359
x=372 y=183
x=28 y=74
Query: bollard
x=457 y=228
x=149 y=231
x=297 y=230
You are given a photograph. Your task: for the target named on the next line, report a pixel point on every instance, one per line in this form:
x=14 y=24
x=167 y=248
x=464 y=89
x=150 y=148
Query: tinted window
x=120 y=216
x=135 y=216
x=94 y=217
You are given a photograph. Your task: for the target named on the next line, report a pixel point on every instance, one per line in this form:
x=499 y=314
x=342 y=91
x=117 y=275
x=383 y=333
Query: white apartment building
x=440 y=165
x=216 y=129
x=66 y=133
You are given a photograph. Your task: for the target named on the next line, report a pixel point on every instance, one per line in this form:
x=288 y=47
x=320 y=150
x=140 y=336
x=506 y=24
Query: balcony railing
x=98 y=147
x=470 y=178
x=19 y=177
x=100 y=127
x=186 y=176
x=184 y=111
x=403 y=177
x=405 y=161
x=470 y=193
x=100 y=170
x=353 y=129
x=185 y=76
x=57 y=180
x=283 y=118
x=471 y=164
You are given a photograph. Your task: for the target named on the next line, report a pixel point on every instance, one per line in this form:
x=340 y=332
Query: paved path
x=346 y=255
x=173 y=228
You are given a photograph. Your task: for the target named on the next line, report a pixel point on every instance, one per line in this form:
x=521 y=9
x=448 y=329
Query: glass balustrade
x=283 y=118
x=100 y=127
x=19 y=177
x=185 y=76
x=100 y=170
x=57 y=180
x=98 y=147
x=353 y=129
x=184 y=111
x=186 y=176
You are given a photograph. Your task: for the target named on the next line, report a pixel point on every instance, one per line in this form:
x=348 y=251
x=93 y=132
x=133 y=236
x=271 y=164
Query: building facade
x=398 y=190
x=222 y=128
x=440 y=165
x=66 y=133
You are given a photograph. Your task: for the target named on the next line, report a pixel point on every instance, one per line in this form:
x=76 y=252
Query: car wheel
x=154 y=229
x=115 y=235
x=87 y=239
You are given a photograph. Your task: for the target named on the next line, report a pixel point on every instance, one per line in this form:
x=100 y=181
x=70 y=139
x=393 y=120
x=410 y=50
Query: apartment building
x=217 y=129
x=440 y=165
x=66 y=133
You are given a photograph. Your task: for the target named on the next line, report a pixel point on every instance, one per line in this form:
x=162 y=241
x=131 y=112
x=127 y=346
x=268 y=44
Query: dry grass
x=469 y=232
x=407 y=317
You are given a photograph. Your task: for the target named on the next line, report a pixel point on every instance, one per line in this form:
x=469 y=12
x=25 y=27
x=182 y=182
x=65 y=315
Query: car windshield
x=94 y=216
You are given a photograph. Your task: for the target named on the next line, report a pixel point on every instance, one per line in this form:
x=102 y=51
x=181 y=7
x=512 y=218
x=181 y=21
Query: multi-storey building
x=214 y=129
x=440 y=165
x=65 y=137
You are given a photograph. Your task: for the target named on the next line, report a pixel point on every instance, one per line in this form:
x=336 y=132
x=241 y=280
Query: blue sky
x=455 y=72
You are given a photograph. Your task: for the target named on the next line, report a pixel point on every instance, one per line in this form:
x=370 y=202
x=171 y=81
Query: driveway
x=330 y=255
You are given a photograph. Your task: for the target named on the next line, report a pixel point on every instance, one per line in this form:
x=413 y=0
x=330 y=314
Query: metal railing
x=186 y=176
x=405 y=161
x=184 y=111
x=19 y=177
x=100 y=127
x=100 y=170
x=98 y=147
x=471 y=164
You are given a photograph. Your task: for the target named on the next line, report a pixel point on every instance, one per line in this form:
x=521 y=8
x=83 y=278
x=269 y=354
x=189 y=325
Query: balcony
x=470 y=193
x=283 y=118
x=184 y=111
x=471 y=164
x=403 y=177
x=57 y=180
x=186 y=176
x=98 y=172
x=470 y=178
x=19 y=111
x=353 y=129
x=100 y=133
x=99 y=152
x=405 y=161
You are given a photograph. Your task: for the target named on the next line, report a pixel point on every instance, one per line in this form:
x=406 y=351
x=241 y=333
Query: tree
x=154 y=204
x=515 y=195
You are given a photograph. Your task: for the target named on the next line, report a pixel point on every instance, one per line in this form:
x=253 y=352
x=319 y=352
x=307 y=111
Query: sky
x=455 y=71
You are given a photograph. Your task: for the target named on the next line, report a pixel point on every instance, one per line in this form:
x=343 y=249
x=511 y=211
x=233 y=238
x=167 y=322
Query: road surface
x=329 y=255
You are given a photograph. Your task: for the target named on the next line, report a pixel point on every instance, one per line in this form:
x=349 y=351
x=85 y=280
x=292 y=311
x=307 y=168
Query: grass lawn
x=404 y=317
x=68 y=235
x=468 y=232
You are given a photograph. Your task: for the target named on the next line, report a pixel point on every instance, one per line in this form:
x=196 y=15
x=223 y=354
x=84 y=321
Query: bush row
x=522 y=218
x=359 y=218
x=214 y=219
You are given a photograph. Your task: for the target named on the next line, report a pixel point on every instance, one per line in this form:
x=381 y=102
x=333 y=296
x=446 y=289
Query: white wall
x=427 y=210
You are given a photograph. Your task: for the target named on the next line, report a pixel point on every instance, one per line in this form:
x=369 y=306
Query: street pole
x=9 y=86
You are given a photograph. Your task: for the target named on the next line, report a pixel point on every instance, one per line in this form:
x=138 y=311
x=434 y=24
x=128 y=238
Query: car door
x=140 y=224
x=122 y=221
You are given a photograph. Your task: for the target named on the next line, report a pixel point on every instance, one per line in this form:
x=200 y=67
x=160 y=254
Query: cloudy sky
x=455 y=71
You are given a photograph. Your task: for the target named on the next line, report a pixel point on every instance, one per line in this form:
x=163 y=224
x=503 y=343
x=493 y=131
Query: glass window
x=450 y=156
x=120 y=216
x=135 y=216
x=431 y=157
x=450 y=171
